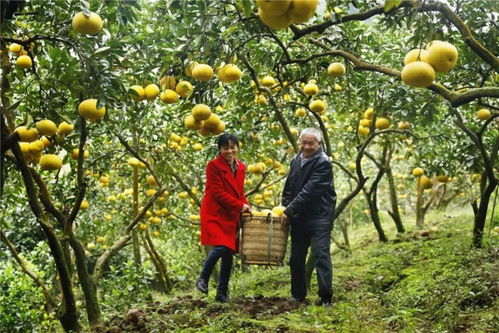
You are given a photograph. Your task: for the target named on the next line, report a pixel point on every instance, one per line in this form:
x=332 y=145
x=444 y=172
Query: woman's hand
x=246 y=209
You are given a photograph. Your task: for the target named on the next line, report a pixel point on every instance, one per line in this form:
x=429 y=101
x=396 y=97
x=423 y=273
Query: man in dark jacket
x=310 y=200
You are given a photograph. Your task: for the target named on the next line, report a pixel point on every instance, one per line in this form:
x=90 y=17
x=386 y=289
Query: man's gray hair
x=311 y=131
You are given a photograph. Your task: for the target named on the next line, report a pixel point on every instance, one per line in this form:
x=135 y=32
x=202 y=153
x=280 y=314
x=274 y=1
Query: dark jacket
x=308 y=193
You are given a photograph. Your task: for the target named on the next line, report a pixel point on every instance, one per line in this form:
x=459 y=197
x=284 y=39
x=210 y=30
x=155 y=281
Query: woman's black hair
x=225 y=139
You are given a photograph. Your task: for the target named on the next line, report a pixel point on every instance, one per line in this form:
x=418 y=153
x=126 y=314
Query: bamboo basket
x=262 y=240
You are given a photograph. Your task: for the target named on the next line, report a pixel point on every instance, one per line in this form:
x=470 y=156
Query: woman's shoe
x=202 y=285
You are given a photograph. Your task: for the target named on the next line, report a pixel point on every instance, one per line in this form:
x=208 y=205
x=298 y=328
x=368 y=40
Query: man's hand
x=246 y=209
x=284 y=220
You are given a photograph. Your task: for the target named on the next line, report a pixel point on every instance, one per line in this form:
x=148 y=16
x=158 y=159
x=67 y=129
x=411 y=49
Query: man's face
x=308 y=145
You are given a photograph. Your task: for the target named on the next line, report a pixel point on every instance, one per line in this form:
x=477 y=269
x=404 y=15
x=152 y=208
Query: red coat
x=222 y=203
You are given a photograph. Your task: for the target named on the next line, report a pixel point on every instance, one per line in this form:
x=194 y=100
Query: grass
x=414 y=283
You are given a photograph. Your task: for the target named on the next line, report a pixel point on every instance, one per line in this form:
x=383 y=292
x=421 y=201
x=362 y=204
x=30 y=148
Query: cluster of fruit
x=275 y=212
x=23 y=60
x=426 y=182
x=34 y=140
x=420 y=65
x=281 y=14
x=204 y=120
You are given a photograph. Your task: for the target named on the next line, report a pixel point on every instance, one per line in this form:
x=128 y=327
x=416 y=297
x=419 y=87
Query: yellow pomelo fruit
x=36 y=146
x=88 y=110
x=46 y=142
x=202 y=72
x=274 y=7
x=150 y=192
x=404 y=125
x=442 y=56
x=363 y=130
x=415 y=55
x=191 y=122
x=229 y=73
x=483 y=114
x=301 y=11
x=417 y=172
x=369 y=113
x=132 y=161
x=65 y=128
x=219 y=129
x=84 y=205
x=365 y=122
x=140 y=93
x=151 y=181
x=212 y=122
x=27 y=135
x=317 y=106
x=190 y=66
x=151 y=91
x=275 y=22
x=76 y=152
x=310 y=89
x=268 y=81
x=168 y=82
x=15 y=48
x=418 y=74
x=101 y=239
x=197 y=146
x=425 y=182
x=175 y=138
x=201 y=112
x=24 y=62
x=169 y=96
x=443 y=178
x=84 y=25
x=382 y=123
x=260 y=99
x=430 y=44
x=301 y=112
x=204 y=131
x=336 y=69
x=46 y=127
x=184 y=88
x=104 y=179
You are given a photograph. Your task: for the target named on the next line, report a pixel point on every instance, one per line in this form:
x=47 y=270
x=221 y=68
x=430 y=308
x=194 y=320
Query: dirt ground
x=160 y=317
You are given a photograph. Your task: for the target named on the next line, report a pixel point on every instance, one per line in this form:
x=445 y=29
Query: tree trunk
x=395 y=212
x=419 y=204
x=161 y=262
x=135 y=237
x=373 y=209
x=162 y=282
x=87 y=283
x=67 y=313
x=481 y=215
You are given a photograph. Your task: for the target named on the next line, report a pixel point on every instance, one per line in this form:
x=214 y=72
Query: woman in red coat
x=222 y=204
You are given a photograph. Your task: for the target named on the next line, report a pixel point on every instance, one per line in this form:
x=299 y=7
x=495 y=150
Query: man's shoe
x=301 y=300
x=202 y=285
x=325 y=302
x=222 y=298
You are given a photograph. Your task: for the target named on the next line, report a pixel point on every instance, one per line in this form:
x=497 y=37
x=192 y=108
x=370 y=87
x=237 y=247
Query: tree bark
x=67 y=314
x=135 y=237
x=419 y=204
x=395 y=212
x=87 y=283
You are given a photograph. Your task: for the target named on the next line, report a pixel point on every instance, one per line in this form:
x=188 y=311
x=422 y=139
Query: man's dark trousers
x=316 y=234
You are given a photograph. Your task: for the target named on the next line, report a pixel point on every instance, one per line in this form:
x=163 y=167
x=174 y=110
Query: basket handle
x=270 y=222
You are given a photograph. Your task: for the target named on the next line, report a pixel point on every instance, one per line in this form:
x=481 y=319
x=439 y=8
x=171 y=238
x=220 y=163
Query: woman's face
x=229 y=152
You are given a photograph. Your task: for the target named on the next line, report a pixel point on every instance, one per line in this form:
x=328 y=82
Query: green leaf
x=391 y=4
x=102 y=50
